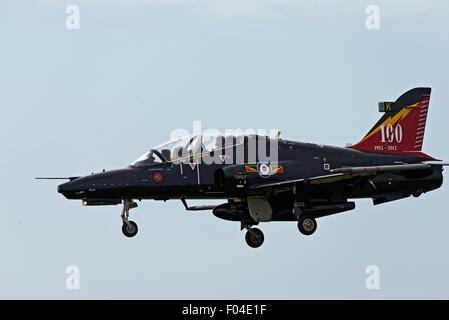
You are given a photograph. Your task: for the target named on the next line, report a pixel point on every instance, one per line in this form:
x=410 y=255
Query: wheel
x=307 y=225
x=130 y=231
x=254 y=241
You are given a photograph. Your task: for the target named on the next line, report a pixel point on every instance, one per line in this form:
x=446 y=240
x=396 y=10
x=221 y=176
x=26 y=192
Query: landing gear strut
x=254 y=237
x=307 y=225
x=129 y=228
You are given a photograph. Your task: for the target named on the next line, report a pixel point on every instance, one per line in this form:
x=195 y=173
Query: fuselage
x=208 y=176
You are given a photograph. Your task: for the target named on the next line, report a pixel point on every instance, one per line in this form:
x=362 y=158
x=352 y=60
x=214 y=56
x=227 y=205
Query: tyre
x=130 y=231
x=254 y=240
x=307 y=225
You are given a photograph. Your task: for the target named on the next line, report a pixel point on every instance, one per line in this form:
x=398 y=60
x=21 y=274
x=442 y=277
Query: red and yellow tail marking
x=400 y=133
x=392 y=120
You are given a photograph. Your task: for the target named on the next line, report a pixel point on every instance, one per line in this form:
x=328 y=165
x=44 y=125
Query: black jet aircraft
x=263 y=179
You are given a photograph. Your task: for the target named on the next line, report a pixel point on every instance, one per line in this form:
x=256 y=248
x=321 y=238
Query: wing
x=346 y=173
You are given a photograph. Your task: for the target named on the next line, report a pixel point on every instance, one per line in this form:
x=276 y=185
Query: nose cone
x=68 y=189
x=63 y=187
x=104 y=184
x=109 y=184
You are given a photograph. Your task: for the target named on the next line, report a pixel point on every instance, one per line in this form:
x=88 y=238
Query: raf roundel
x=264 y=169
x=157 y=177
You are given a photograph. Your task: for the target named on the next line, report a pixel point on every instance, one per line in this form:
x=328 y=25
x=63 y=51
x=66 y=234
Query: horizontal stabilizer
x=438 y=163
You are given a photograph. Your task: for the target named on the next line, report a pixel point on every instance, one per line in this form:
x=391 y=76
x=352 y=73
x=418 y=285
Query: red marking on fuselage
x=157 y=177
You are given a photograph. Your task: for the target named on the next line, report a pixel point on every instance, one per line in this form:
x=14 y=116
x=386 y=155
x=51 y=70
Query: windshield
x=147 y=159
x=169 y=151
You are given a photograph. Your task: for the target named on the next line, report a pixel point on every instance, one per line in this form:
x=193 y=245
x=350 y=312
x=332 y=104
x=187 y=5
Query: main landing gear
x=307 y=225
x=129 y=228
x=254 y=237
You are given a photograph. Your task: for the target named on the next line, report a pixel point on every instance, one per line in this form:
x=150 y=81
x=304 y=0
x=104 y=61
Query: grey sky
x=79 y=101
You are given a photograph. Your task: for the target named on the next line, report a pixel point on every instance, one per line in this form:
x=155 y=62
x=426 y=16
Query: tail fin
x=401 y=129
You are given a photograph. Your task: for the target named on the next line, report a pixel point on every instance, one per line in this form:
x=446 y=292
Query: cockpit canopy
x=183 y=148
x=169 y=151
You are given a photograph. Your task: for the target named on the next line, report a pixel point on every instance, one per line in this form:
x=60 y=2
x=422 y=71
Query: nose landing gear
x=129 y=228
